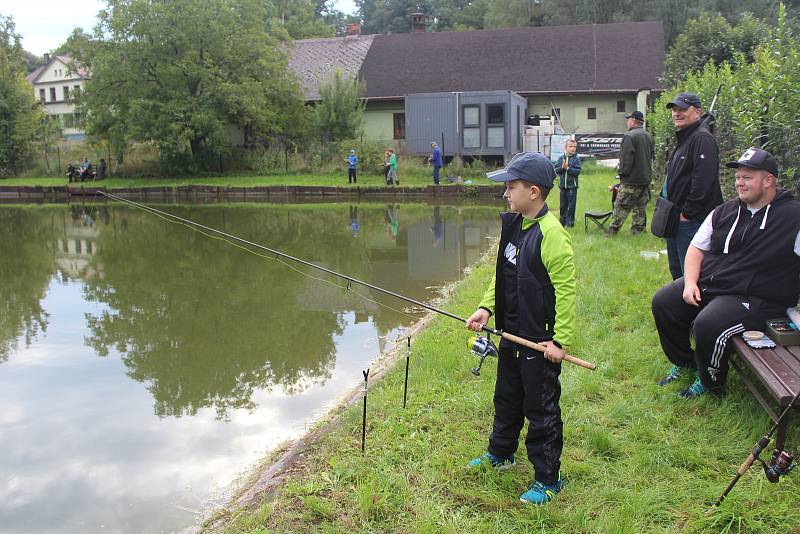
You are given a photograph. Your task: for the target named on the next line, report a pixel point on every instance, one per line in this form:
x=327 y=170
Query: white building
x=54 y=84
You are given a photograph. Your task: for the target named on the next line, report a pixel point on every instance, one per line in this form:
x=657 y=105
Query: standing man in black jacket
x=742 y=268
x=692 y=181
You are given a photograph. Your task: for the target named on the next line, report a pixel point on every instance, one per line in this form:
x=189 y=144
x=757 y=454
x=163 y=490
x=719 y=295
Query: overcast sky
x=45 y=24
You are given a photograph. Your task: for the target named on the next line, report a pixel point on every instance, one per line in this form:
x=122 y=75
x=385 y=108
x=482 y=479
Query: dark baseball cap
x=635 y=115
x=684 y=100
x=755 y=158
x=532 y=167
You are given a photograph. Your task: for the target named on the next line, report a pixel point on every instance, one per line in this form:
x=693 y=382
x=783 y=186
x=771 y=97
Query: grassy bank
x=637 y=458
x=412 y=174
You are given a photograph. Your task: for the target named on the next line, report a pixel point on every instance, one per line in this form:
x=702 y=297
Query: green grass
x=637 y=458
x=411 y=175
x=416 y=180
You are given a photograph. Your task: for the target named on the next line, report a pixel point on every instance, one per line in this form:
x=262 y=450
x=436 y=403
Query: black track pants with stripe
x=712 y=325
x=527 y=387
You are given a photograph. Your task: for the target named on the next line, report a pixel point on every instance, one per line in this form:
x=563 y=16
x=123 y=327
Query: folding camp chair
x=599 y=218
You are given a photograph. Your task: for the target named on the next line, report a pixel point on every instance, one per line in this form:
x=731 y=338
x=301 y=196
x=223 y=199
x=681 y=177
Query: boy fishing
x=532 y=295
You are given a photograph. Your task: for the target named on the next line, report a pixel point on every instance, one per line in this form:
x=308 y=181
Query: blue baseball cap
x=532 y=167
x=684 y=101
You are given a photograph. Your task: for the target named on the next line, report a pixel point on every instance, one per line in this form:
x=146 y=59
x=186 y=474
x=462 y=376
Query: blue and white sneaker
x=694 y=391
x=494 y=461
x=540 y=494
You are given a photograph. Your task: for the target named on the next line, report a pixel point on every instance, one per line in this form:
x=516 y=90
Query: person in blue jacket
x=568 y=167
x=352 y=162
x=436 y=161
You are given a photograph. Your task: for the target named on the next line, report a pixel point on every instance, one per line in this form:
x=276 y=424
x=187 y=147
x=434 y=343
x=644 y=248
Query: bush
x=759 y=106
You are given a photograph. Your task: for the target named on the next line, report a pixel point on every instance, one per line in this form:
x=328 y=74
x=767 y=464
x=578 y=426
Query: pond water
x=144 y=366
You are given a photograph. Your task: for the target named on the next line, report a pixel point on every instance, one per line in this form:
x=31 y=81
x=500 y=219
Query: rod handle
x=739 y=473
x=541 y=348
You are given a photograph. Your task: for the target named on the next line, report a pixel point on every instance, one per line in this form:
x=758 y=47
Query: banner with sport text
x=602 y=145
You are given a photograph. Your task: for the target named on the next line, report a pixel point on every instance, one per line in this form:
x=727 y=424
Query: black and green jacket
x=536 y=255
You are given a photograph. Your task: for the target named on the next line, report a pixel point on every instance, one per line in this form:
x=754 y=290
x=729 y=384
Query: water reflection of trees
x=205 y=324
x=26 y=267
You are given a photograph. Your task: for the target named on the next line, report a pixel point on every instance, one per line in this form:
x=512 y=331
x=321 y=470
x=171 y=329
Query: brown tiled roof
x=548 y=59
x=312 y=60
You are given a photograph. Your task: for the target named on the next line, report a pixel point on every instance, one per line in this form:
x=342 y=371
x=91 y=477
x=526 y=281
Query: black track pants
x=712 y=324
x=527 y=387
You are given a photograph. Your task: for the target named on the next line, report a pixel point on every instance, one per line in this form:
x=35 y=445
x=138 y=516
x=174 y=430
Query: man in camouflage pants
x=635 y=172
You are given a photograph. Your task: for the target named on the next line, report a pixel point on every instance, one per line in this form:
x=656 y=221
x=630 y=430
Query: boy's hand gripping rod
x=350 y=279
x=536 y=346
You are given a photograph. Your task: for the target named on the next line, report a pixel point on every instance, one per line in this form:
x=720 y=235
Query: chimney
x=354 y=28
x=46 y=58
x=419 y=22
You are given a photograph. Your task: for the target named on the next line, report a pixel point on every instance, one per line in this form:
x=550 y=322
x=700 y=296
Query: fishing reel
x=782 y=463
x=481 y=347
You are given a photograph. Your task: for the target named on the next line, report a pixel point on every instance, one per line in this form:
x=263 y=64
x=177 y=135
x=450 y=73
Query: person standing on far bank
x=635 y=172
x=393 y=168
x=352 y=166
x=436 y=161
x=692 y=180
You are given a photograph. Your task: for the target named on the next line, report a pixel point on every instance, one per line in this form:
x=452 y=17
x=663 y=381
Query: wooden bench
x=777 y=370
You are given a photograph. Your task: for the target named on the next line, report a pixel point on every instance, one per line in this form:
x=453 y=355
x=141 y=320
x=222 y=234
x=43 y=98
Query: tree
x=20 y=113
x=711 y=38
x=393 y=16
x=340 y=112
x=180 y=73
x=300 y=19
x=49 y=134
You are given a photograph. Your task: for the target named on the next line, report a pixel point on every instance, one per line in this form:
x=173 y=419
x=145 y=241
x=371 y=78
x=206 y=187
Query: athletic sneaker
x=672 y=376
x=494 y=461
x=541 y=493
x=694 y=391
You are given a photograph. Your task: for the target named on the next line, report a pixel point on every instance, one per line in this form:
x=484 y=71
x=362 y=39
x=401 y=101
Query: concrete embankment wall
x=190 y=193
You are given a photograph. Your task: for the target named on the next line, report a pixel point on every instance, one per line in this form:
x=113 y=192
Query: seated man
x=742 y=267
x=85 y=169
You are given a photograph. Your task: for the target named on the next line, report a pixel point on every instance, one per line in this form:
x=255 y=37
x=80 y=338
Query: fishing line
x=195 y=226
x=199 y=228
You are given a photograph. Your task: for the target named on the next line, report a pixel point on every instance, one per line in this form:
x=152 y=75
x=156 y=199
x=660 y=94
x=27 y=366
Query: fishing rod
x=782 y=461
x=350 y=280
x=709 y=118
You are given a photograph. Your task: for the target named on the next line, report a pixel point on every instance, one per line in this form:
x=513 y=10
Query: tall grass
x=637 y=458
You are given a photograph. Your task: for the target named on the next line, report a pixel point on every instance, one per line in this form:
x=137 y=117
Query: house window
x=495 y=125
x=66 y=92
x=52 y=94
x=620 y=106
x=76 y=89
x=399 y=125
x=41 y=95
x=69 y=121
x=471 y=120
x=591 y=113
